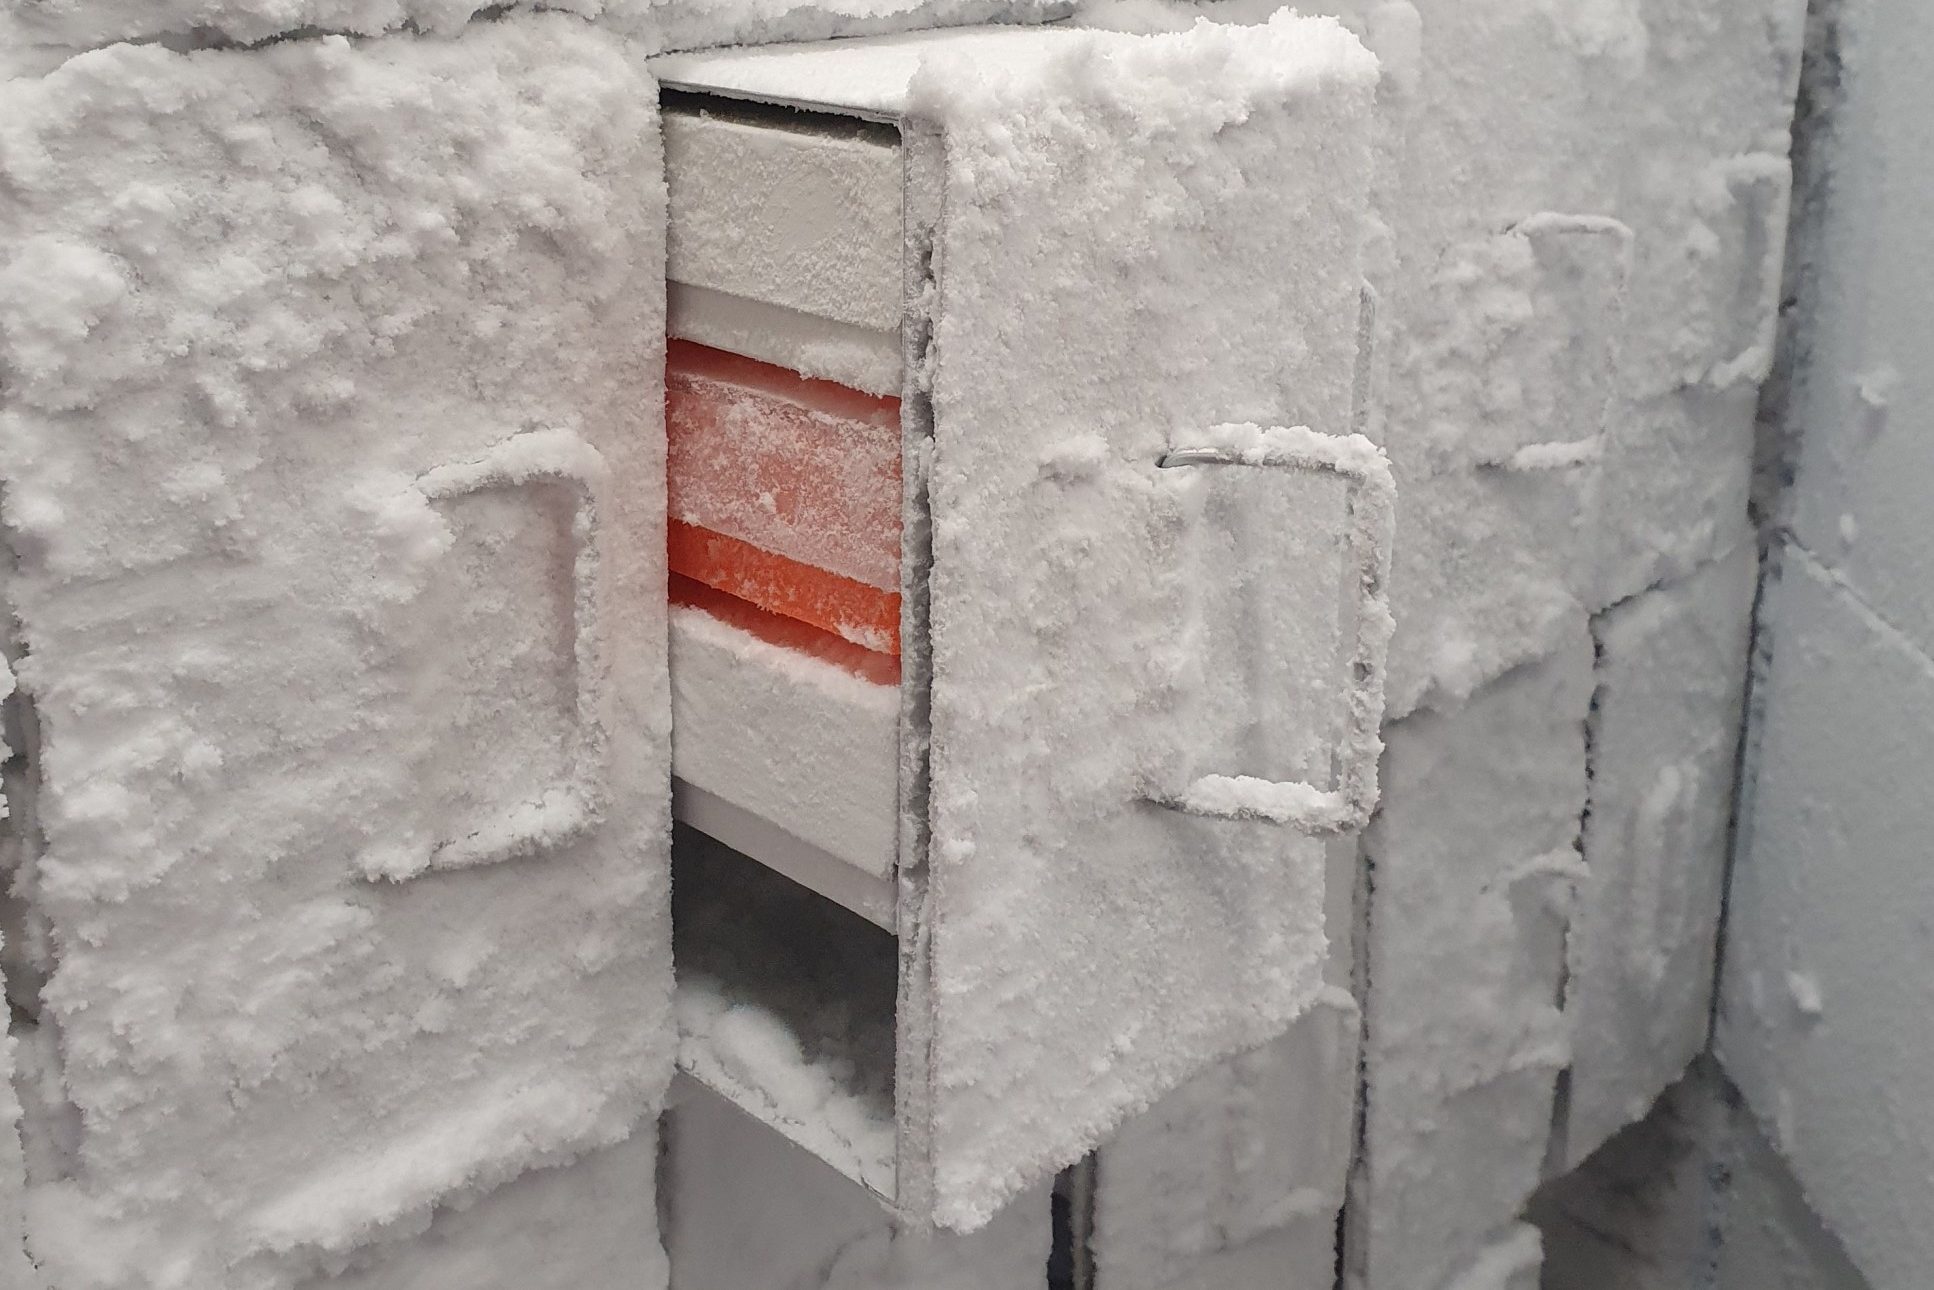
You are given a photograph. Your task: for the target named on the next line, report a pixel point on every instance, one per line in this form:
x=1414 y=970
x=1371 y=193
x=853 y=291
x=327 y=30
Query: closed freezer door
x=346 y=615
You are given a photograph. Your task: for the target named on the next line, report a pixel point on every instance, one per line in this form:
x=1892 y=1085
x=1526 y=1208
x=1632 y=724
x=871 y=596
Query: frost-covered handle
x=1546 y=232
x=1370 y=506
x=564 y=810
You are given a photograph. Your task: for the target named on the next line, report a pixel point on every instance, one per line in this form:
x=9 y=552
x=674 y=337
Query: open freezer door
x=334 y=464
x=1157 y=619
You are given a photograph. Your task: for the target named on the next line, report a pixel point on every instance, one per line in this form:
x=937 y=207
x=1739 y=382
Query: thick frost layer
x=654 y=24
x=1106 y=211
x=333 y=370
x=15 y=1270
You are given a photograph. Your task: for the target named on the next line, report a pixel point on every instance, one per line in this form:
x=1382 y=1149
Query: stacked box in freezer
x=785 y=264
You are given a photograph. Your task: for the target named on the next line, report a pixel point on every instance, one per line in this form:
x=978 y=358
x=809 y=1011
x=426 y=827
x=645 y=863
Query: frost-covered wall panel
x=748 y=1210
x=1863 y=392
x=1664 y=739
x=1234 y=1180
x=585 y=1225
x=1826 y=978
x=299 y=340
x=1473 y=862
x=1693 y=1195
x=1827 y=973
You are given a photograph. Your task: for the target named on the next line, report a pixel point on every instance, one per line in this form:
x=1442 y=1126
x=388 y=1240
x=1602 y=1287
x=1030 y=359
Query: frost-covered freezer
x=1027 y=580
x=333 y=377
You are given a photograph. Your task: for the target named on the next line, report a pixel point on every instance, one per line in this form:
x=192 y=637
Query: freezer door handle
x=1370 y=503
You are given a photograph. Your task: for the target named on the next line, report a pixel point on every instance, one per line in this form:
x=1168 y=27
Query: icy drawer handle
x=565 y=810
x=1551 y=234
x=1761 y=188
x=1369 y=507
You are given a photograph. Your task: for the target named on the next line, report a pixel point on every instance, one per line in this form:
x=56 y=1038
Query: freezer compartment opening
x=786 y=1006
x=787 y=498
